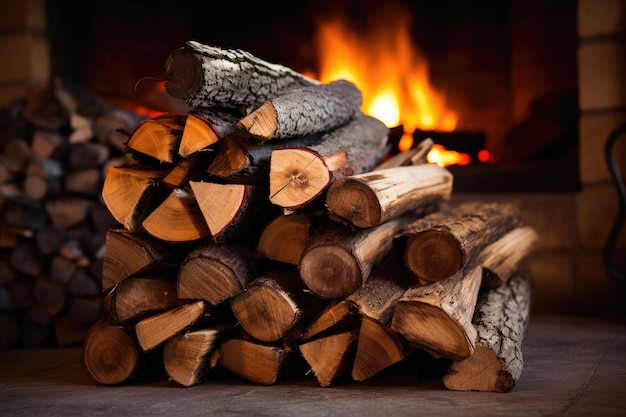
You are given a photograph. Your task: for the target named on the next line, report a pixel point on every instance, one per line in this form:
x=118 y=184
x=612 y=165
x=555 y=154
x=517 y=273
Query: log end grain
x=355 y=202
x=330 y=271
x=183 y=74
x=434 y=255
x=482 y=371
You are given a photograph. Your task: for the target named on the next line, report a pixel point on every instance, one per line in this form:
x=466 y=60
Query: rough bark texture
x=299 y=175
x=371 y=198
x=205 y=76
x=501 y=320
x=303 y=111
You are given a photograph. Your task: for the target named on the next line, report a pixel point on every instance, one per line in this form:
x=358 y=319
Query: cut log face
x=263 y=364
x=368 y=199
x=205 y=76
x=137 y=297
x=284 y=238
x=127 y=253
x=187 y=358
x=197 y=135
x=438 y=317
x=273 y=305
x=177 y=219
x=154 y=330
x=337 y=317
x=111 y=355
x=215 y=273
x=501 y=320
x=444 y=249
x=330 y=357
x=156 y=138
x=130 y=194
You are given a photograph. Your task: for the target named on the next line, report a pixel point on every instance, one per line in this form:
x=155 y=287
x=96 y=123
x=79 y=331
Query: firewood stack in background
x=270 y=232
x=55 y=147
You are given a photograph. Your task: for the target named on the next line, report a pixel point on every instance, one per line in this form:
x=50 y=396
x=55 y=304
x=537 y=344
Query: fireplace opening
x=494 y=82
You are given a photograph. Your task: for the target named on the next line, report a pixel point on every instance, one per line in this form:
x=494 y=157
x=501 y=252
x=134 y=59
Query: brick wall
x=24 y=50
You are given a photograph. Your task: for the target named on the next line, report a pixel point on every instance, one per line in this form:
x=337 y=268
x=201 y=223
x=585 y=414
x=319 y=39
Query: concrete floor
x=573 y=367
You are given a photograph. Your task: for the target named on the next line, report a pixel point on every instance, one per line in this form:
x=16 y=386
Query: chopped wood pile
x=55 y=148
x=271 y=233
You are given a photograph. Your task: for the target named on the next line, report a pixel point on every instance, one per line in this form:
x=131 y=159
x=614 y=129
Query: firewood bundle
x=55 y=147
x=268 y=233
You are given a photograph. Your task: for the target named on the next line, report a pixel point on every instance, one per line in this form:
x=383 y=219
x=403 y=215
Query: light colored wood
x=372 y=198
x=330 y=357
x=284 y=238
x=200 y=132
x=445 y=248
x=156 y=138
x=299 y=175
x=413 y=156
x=154 y=330
x=502 y=258
x=188 y=358
x=263 y=364
x=501 y=320
x=128 y=194
x=438 y=317
x=177 y=219
x=304 y=110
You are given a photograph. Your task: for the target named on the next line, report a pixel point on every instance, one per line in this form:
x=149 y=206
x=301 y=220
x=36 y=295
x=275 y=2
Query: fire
x=389 y=71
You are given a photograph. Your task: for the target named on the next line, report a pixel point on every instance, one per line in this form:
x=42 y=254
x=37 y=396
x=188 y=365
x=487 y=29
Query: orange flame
x=389 y=71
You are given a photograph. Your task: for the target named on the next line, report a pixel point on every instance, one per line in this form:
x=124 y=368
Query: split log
x=188 y=358
x=242 y=159
x=157 y=138
x=215 y=273
x=130 y=194
x=300 y=175
x=372 y=198
x=378 y=347
x=65 y=212
x=502 y=258
x=501 y=320
x=177 y=219
x=139 y=296
x=205 y=76
x=444 y=249
x=305 y=110
x=179 y=176
x=127 y=253
x=154 y=330
x=338 y=260
x=203 y=129
x=263 y=364
x=232 y=211
x=438 y=317
x=275 y=306
x=331 y=357
x=111 y=355
x=284 y=238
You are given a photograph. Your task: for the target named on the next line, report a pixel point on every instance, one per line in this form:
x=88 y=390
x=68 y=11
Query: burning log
x=501 y=320
x=205 y=76
x=299 y=175
x=305 y=110
x=372 y=198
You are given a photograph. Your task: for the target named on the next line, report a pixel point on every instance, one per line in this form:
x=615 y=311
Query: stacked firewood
x=269 y=231
x=56 y=145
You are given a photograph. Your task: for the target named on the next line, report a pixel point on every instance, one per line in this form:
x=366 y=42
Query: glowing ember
x=390 y=73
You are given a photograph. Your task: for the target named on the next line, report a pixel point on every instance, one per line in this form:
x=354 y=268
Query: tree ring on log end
x=330 y=272
x=434 y=255
x=354 y=201
x=183 y=74
x=219 y=283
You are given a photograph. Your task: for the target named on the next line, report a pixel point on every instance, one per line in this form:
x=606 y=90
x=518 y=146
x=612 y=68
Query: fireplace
x=540 y=84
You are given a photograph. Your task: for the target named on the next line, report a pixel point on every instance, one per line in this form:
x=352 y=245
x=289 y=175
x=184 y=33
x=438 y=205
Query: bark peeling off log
x=205 y=76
